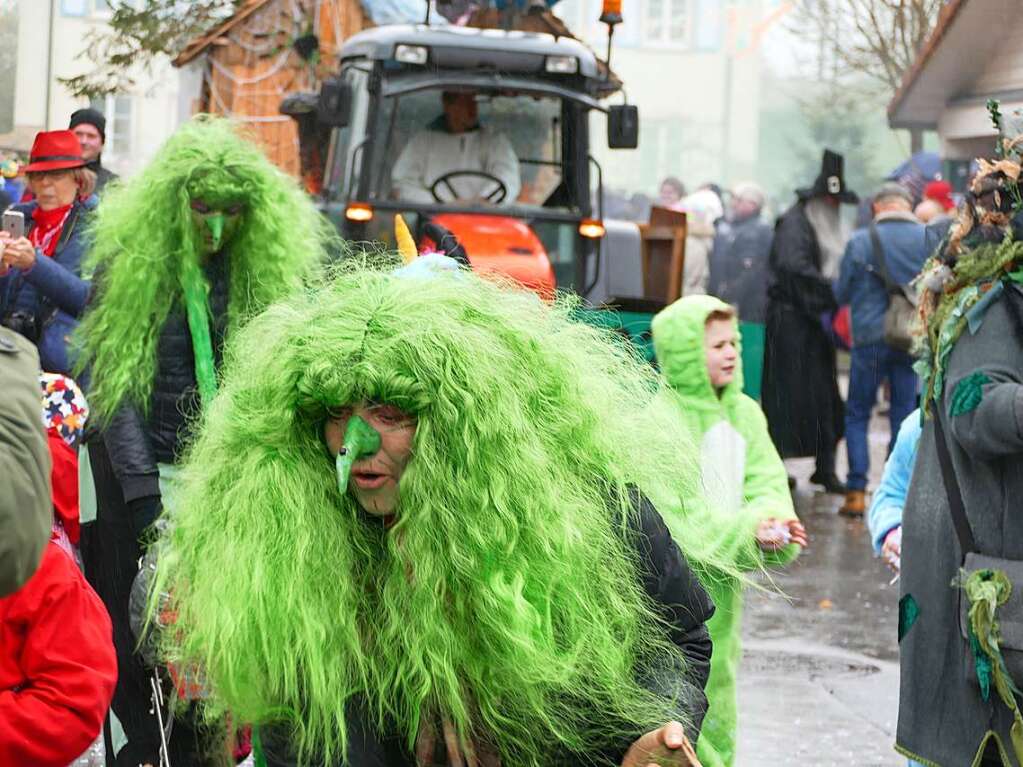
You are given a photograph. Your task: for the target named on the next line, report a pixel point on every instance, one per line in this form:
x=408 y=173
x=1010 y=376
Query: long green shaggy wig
x=146 y=250
x=505 y=596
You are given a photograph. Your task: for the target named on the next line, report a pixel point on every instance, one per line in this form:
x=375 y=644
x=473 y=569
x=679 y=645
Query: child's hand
x=891 y=549
x=774 y=534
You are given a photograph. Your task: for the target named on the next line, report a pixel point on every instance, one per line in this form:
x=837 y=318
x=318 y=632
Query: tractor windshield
x=465 y=147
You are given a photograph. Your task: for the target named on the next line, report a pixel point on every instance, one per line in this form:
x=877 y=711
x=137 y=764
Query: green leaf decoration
x=968 y=393
x=909 y=611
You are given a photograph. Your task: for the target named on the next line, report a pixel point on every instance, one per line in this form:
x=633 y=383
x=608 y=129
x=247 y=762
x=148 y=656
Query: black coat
x=103 y=176
x=800 y=391
x=136 y=444
x=671 y=585
x=739 y=271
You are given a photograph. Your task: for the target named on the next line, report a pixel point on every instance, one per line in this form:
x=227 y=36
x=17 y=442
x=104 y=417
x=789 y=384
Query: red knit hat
x=941 y=193
x=54 y=150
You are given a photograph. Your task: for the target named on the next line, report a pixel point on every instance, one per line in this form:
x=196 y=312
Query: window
x=119 y=111
x=82 y=8
x=530 y=126
x=668 y=22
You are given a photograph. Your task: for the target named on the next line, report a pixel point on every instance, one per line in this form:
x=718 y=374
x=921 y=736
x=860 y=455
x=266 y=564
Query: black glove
x=144 y=512
x=447 y=243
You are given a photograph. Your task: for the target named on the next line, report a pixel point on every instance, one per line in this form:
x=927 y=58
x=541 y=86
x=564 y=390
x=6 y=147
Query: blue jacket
x=859 y=281
x=53 y=287
x=885 y=510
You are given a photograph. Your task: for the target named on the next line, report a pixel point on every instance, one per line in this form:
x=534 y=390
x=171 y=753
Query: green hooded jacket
x=744 y=482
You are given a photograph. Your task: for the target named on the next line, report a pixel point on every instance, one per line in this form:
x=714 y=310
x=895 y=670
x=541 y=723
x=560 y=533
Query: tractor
x=393 y=149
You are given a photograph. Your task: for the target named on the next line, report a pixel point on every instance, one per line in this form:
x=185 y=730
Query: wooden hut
x=266 y=50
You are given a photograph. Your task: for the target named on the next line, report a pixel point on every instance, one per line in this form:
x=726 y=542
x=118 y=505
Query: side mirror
x=334 y=105
x=623 y=126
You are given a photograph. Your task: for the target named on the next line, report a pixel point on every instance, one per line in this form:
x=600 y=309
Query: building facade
x=693 y=68
x=51 y=41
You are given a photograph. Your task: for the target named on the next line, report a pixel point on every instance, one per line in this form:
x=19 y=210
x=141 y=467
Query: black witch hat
x=830 y=181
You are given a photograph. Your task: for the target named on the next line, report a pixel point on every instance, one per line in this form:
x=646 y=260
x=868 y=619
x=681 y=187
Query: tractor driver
x=473 y=157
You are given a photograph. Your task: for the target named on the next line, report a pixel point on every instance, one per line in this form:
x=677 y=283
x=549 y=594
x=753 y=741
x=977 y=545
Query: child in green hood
x=750 y=518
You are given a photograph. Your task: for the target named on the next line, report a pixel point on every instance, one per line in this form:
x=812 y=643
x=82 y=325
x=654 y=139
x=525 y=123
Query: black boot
x=825 y=474
x=830 y=482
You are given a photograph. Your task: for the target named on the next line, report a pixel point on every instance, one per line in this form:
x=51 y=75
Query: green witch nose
x=361 y=440
x=215 y=223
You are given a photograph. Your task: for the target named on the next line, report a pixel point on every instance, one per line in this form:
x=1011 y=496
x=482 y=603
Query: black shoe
x=830 y=482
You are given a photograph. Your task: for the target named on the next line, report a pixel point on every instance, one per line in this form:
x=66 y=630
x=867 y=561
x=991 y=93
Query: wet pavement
x=819 y=679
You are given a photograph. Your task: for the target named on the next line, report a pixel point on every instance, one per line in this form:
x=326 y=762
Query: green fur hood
x=678 y=341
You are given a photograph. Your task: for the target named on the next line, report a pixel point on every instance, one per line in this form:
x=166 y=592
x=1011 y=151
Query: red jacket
x=57 y=666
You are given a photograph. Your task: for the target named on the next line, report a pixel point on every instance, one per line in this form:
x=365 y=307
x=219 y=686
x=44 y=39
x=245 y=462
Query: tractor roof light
x=412 y=54
x=591 y=229
x=359 y=212
x=611 y=12
x=562 y=65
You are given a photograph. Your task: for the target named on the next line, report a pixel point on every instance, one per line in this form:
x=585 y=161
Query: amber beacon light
x=591 y=229
x=359 y=211
x=611 y=12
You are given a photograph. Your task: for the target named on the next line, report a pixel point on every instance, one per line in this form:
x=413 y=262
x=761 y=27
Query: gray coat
x=26 y=512
x=943 y=720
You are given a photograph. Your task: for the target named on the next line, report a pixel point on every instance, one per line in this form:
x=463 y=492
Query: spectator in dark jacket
x=901 y=239
x=739 y=269
x=90 y=126
x=42 y=292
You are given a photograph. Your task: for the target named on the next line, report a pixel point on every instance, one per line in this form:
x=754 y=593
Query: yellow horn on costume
x=406 y=245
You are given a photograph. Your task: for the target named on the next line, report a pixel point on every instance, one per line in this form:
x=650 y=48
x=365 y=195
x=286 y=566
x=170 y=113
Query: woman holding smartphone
x=42 y=293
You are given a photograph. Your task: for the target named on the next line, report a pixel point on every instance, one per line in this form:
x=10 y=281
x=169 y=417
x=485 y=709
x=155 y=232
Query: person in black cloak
x=800 y=389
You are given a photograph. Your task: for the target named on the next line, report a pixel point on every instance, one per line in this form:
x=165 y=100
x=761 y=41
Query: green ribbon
x=194 y=287
x=361 y=440
x=987 y=590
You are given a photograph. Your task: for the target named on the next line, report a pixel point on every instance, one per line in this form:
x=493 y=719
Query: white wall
x=686 y=127
x=154 y=104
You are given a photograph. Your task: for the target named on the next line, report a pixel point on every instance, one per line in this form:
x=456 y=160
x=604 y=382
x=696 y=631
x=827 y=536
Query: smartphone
x=14 y=223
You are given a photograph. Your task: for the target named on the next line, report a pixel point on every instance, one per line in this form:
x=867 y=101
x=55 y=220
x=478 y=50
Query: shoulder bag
x=901 y=311
x=1010 y=613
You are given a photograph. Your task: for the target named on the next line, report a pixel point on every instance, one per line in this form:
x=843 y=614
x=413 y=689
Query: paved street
x=819 y=684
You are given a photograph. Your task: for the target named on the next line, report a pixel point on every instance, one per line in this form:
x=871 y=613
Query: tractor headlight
x=562 y=65
x=412 y=54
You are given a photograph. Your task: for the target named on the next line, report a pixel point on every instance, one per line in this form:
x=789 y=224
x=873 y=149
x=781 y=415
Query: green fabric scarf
x=195 y=290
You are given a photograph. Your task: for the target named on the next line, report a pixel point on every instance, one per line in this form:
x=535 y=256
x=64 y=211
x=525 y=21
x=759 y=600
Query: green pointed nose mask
x=215 y=227
x=361 y=441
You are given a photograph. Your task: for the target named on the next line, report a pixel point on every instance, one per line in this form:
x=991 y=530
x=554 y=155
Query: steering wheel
x=496 y=195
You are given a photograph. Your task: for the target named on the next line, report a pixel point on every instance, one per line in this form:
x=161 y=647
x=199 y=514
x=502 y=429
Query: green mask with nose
x=215 y=225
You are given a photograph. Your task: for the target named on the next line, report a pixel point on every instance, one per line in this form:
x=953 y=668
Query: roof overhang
x=200 y=44
x=950 y=62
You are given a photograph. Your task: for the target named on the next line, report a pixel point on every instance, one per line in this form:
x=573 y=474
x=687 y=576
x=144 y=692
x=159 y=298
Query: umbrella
x=915 y=172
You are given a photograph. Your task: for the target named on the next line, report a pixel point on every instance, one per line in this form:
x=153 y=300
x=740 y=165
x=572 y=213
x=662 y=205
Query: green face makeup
x=215 y=224
x=361 y=440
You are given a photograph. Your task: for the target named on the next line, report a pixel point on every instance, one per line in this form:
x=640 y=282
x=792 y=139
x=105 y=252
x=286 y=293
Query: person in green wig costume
x=747 y=518
x=410 y=532
x=208 y=234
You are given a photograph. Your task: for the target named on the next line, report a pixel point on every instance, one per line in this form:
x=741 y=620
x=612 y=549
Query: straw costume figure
x=410 y=533
x=961 y=661
x=183 y=253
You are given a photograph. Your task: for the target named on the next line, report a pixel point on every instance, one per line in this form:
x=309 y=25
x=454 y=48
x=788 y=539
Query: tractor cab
x=485 y=132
